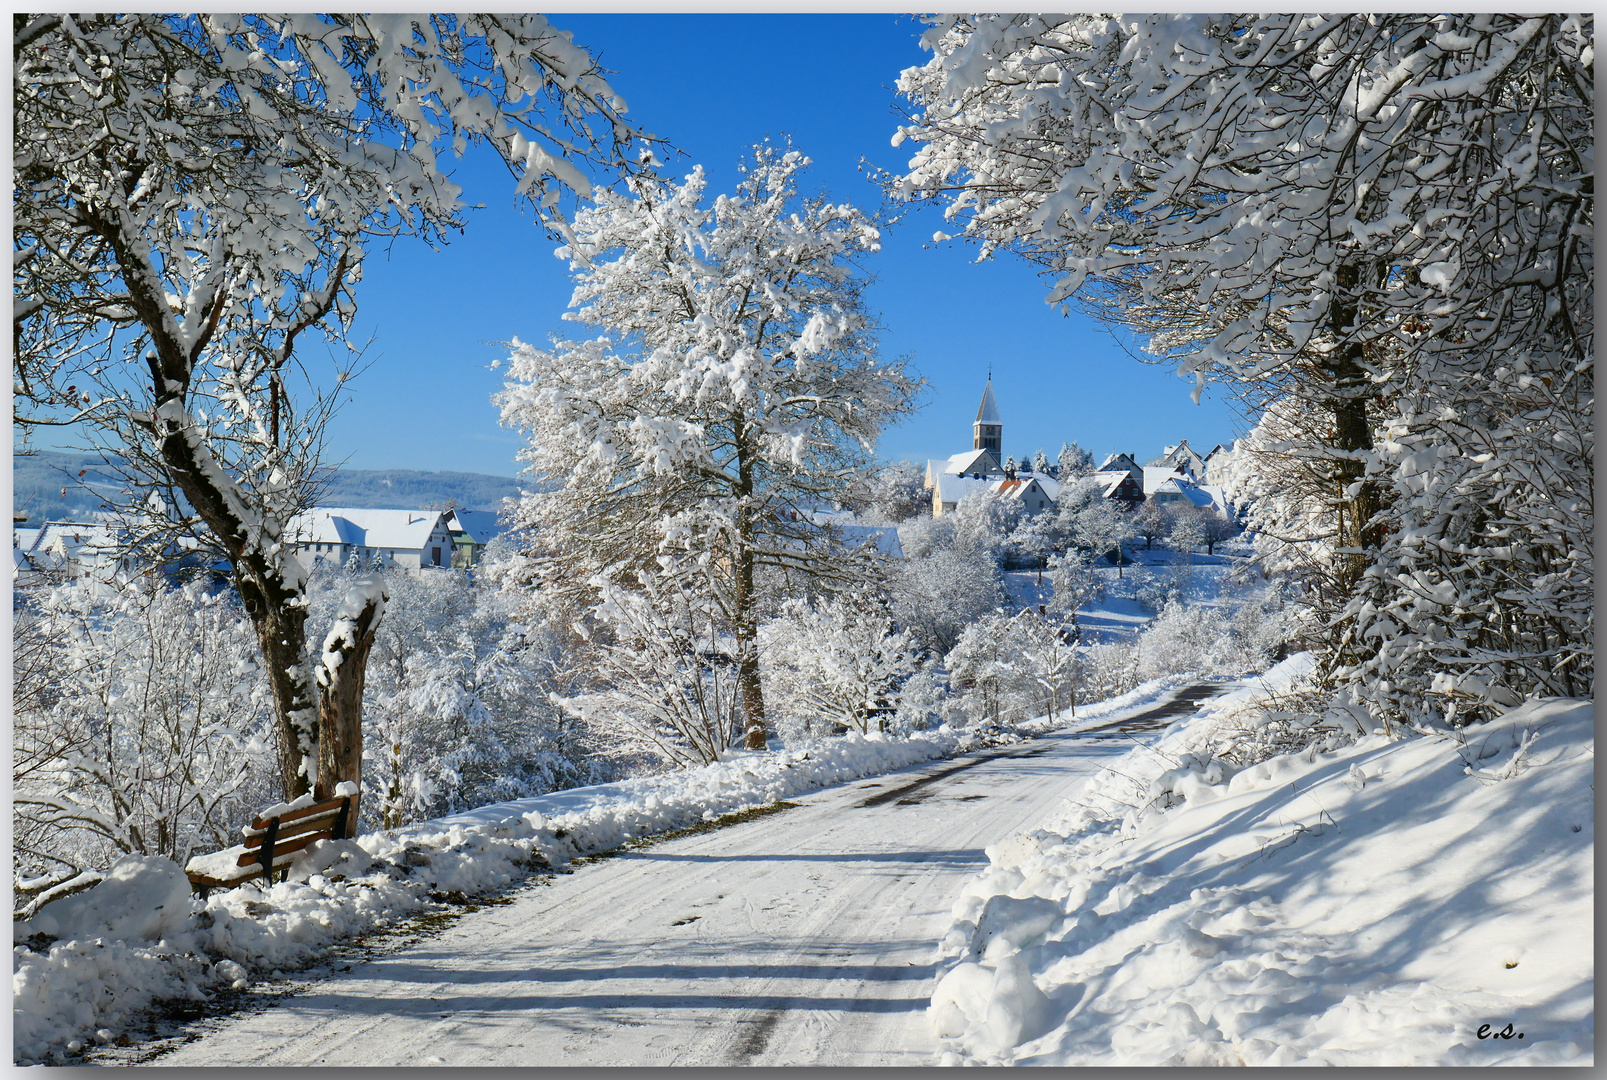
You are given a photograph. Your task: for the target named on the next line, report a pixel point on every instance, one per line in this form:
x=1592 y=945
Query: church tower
x=988 y=431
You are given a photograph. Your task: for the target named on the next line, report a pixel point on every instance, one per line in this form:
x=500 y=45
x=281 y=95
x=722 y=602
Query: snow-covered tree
x=940 y=588
x=143 y=726
x=1188 y=530
x=1385 y=217
x=735 y=388
x=838 y=664
x=1048 y=659
x=1096 y=524
x=895 y=493
x=1153 y=522
x=1075 y=584
x=1040 y=462
x=983 y=522
x=1074 y=463
x=193 y=195
x=1214 y=528
x=1035 y=538
x=984 y=673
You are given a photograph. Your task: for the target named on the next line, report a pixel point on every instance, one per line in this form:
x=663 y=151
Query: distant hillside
x=413 y=489
x=46 y=486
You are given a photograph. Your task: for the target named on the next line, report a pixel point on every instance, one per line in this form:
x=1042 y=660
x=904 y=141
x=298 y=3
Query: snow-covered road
x=805 y=937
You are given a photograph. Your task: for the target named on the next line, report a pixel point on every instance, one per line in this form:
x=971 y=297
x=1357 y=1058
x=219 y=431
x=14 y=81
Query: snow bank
x=1375 y=905
x=85 y=965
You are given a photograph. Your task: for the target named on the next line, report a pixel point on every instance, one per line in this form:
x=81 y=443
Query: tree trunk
x=340 y=705
x=1353 y=436
x=755 y=734
x=281 y=635
x=273 y=604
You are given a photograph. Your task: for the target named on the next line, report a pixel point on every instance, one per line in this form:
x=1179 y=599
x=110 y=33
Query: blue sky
x=714 y=85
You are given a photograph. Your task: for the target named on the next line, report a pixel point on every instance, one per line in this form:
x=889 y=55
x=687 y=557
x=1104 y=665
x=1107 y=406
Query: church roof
x=988 y=412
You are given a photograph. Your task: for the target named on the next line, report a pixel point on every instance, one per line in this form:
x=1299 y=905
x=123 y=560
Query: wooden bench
x=272 y=841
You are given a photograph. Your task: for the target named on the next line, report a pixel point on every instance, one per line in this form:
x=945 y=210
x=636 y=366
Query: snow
x=141 y=937
x=1373 y=904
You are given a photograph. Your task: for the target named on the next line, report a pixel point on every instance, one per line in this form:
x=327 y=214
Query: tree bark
x=755 y=734
x=341 y=676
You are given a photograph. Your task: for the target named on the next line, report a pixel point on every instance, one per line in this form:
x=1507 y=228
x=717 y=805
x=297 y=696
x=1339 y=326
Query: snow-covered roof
x=972 y=461
x=885 y=537
x=951 y=489
x=1201 y=495
x=1156 y=475
x=1051 y=486
x=76 y=539
x=988 y=411
x=1118 y=461
x=481 y=525
x=362 y=527
x=1020 y=487
x=24 y=539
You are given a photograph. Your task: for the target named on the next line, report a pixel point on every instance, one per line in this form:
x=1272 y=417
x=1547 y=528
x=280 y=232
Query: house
x=1034 y=493
x=1119 y=486
x=1180 y=490
x=1122 y=463
x=1181 y=455
x=413 y=539
x=1156 y=475
x=471 y=531
x=1028 y=490
x=1213 y=462
x=81 y=549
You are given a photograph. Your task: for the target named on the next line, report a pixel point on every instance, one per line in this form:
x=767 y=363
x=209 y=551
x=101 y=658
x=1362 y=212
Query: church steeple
x=988 y=431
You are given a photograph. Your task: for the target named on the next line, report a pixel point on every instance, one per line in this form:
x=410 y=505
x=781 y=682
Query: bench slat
x=323 y=822
x=250 y=858
x=305 y=811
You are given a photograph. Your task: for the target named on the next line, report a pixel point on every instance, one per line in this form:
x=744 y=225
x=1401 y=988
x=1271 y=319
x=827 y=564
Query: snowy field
x=85 y=966
x=1418 y=902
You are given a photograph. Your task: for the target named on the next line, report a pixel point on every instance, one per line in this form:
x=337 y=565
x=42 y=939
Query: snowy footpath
x=1427 y=901
x=86 y=966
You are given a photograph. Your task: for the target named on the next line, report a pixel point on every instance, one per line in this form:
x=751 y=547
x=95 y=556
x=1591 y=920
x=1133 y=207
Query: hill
x=46 y=486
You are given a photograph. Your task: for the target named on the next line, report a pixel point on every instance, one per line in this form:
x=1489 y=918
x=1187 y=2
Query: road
x=806 y=937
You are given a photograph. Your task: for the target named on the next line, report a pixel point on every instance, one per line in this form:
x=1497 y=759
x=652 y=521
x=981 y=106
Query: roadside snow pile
x=85 y=965
x=1381 y=903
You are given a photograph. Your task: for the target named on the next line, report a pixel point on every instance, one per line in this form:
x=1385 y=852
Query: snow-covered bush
x=144 y=727
x=1108 y=670
x=1010 y=669
x=834 y=665
x=663 y=679
x=1211 y=641
x=939 y=589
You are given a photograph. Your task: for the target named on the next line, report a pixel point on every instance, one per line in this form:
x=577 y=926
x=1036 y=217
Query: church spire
x=988 y=430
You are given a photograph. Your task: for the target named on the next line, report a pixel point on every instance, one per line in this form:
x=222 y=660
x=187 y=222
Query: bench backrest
x=269 y=839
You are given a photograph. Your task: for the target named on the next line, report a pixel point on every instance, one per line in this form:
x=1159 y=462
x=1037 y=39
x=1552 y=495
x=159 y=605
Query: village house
x=471 y=531
x=411 y=539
